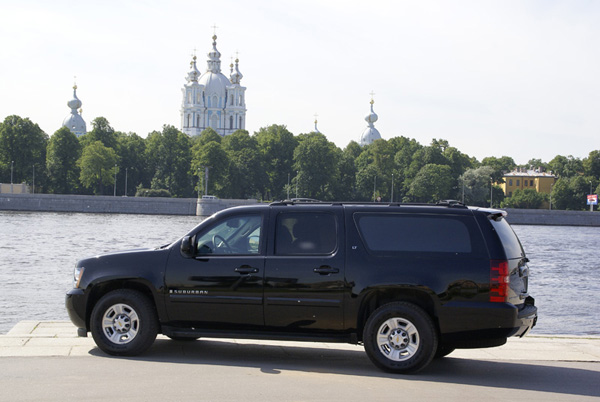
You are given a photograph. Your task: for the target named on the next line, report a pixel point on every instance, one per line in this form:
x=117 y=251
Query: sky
x=493 y=78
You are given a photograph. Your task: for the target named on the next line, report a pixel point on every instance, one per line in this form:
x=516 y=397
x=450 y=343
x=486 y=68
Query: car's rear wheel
x=124 y=322
x=400 y=337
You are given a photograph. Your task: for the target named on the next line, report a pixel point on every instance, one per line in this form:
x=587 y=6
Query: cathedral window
x=241 y=126
x=189 y=97
x=188 y=120
x=230 y=121
x=198 y=121
x=215 y=102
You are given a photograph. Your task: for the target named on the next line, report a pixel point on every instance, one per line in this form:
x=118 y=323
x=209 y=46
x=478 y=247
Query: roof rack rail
x=451 y=203
x=296 y=201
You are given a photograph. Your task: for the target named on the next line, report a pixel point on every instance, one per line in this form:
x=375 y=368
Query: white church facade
x=213 y=100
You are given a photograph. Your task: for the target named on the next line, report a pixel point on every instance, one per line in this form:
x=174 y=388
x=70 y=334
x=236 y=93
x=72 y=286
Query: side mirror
x=187 y=247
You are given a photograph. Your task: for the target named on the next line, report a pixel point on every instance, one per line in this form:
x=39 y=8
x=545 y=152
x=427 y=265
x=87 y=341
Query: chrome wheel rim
x=120 y=324
x=398 y=339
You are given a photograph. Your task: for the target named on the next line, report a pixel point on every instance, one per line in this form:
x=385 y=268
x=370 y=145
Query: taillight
x=499 y=280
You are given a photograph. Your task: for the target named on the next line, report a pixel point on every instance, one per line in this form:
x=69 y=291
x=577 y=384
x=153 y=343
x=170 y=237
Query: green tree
x=366 y=183
x=566 y=166
x=537 y=164
x=500 y=165
x=433 y=183
x=245 y=173
x=101 y=131
x=62 y=155
x=528 y=198
x=22 y=146
x=131 y=150
x=457 y=161
x=571 y=193
x=276 y=145
x=591 y=164
x=316 y=160
x=207 y=135
x=345 y=186
x=213 y=157
x=475 y=185
x=97 y=167
x=169 y=155
x=406 y=149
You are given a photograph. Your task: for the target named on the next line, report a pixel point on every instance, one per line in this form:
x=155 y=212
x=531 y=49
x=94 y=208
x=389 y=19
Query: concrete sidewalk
x=59 y=338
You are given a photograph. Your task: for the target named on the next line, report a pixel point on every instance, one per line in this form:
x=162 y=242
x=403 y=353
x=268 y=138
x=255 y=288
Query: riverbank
x=115 y=205
x=207 y=207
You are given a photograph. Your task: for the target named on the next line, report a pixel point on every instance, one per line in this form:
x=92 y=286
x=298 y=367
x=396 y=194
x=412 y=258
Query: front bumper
x=75 y=304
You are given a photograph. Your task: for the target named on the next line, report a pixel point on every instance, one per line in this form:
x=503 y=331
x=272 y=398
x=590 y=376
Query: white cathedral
x=370 y=133
x=213 y=100
x=74 y=121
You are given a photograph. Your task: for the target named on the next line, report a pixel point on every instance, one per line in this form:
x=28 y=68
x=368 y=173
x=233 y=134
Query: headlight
x=77 y=274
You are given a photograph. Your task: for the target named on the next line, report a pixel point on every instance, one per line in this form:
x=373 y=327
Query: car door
x=219 y=284
x=304 y=269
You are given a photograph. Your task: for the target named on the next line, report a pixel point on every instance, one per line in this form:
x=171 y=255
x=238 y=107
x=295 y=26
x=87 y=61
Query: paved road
x=234 y=370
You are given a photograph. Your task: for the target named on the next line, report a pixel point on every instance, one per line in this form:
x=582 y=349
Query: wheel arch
x=101 y=289
x=376 y=298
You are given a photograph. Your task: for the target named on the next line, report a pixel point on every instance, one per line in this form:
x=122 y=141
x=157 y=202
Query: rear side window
x=510 y=241
x=305 y=233
x=393 y=233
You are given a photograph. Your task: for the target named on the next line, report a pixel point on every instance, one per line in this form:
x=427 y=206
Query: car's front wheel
x=400 y=337
x=124 y=322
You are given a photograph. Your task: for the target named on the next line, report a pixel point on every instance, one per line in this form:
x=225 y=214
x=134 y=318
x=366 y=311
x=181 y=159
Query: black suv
x=410 y=282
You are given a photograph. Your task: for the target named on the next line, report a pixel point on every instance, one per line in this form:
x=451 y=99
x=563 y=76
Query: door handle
x=246 y=269
x=326 y=270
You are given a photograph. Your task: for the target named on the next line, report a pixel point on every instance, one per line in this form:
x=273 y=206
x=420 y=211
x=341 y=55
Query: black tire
x=443 y=351
x=400 y=338
x=124 y=323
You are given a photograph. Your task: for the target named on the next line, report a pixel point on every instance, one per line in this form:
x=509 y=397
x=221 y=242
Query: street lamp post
x=33 y=185
x=199 y=187
x=491 y=191
x=591 y=205
x=392 y=197
x=206 y=180
x=115 y=187
x=288 y=187
x=126 y=181
x=374 y=187
x=12 y=164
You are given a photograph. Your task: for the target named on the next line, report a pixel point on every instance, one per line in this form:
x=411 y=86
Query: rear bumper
x=468 y=324
x=527 y=317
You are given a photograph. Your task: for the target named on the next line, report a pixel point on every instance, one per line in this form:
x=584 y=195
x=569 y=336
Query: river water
x=38 y=252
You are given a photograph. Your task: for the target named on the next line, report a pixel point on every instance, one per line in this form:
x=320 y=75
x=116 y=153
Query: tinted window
x=305 y=233
x=235 y=235
x=414 y=233
x=512 y=246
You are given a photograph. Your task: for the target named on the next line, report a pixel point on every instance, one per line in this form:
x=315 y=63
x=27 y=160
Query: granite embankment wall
x=115 y=205
x=193 y=206
x=552 y=217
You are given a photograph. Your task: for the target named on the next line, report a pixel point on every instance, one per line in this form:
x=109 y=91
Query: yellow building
x=527 y=179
